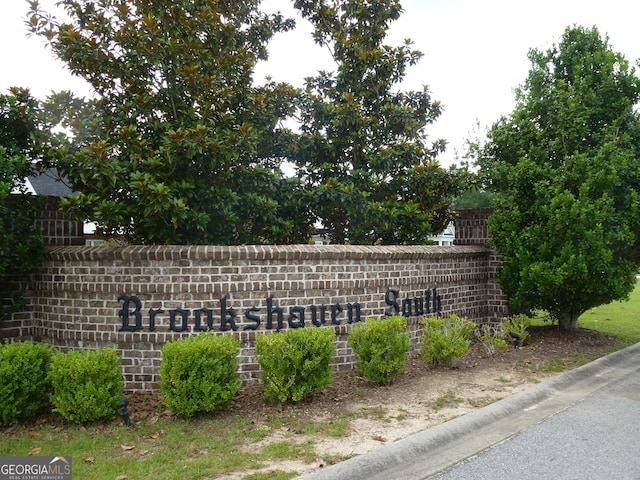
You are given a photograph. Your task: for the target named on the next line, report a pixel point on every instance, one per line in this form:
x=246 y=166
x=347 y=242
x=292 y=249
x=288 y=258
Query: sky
x=475 y=53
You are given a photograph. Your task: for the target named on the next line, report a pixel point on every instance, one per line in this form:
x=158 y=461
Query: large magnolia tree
x=363 y=150
x=179 y=145
x=565 y=167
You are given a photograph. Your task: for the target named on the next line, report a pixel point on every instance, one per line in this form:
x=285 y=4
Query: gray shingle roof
x=48 y=183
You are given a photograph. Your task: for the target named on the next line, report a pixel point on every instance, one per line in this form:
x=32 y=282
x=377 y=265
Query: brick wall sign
x=225 y=317
x=139 y=298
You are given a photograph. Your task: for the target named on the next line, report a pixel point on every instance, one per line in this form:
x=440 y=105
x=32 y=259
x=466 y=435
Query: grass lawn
x=168 y=449
x=620 y=319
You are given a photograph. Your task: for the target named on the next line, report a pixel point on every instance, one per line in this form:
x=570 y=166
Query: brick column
x=471 y=226
x=58 y=228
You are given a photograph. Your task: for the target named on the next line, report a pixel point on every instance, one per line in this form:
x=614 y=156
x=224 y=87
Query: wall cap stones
x=260 y=252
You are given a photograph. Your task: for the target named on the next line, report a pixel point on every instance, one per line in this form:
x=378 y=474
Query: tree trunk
x=569 y=321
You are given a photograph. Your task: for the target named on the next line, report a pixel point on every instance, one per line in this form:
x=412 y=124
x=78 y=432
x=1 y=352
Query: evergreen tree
x=363 y=150
x=565 y=166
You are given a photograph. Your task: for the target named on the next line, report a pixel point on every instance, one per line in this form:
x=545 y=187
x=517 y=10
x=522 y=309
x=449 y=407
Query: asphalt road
x=581 y=425
x=597 y=438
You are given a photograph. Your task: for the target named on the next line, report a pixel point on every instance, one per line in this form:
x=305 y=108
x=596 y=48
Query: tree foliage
x=565 y=166
x=363 y=146
x=20 y=240
x=473 y=198
x=179 y=145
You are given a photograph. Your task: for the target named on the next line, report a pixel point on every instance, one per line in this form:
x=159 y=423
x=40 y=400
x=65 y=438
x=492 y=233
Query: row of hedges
x=199 y=374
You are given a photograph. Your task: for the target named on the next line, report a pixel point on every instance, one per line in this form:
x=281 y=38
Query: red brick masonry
x=140 y=297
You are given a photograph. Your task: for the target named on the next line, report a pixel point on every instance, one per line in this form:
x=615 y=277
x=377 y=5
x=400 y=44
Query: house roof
x=48 y=183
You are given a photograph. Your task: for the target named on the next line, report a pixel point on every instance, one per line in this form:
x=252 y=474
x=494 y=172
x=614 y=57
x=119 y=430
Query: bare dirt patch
x=376 y=415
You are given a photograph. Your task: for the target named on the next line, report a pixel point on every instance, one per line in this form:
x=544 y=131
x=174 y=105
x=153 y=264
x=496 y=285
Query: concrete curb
x=426 y=453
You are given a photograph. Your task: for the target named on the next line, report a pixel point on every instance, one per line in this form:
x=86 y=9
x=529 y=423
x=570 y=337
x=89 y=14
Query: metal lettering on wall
x=132 y=313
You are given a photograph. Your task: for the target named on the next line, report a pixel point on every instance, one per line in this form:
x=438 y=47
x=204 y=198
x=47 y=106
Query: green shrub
x=87 y=384
x=199 y=374
x=24 y=382
x=491 y=338
x=518 y=325
x=445 y=339
x=381 y=347
x=296 y=362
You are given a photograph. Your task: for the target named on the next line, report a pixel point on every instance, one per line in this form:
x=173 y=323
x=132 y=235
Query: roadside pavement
x=582 y=424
